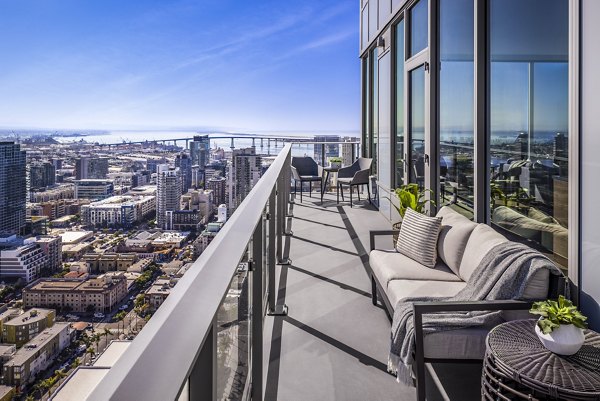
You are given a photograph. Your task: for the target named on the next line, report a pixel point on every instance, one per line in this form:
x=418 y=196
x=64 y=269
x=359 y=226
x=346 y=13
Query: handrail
x=150 y=369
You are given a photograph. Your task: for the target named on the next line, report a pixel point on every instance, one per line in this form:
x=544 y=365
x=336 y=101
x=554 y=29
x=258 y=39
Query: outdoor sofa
x=462 y=244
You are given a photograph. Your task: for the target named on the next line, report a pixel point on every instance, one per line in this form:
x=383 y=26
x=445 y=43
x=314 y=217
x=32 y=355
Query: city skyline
x=180 y=64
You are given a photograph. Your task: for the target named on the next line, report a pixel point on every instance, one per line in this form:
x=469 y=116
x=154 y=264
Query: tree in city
x=90 y=351
x=119 y=318
x=90 y=308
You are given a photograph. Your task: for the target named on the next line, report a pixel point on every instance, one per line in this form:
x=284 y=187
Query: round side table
x=518 y=367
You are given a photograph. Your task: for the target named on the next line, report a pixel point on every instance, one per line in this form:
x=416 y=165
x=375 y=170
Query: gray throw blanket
x=503 y=274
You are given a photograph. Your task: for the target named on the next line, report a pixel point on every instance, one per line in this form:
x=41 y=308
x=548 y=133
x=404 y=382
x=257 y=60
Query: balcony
x=222 y=330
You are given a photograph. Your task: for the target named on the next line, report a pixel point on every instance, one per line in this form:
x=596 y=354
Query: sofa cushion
x=398 y=289
x=482 y=240
x=418 y=237
x=392 y=265
x=454 y=234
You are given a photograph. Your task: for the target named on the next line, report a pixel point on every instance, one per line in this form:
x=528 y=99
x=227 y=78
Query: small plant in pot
x=335 y=162
x=410 y=197
x=560 y=326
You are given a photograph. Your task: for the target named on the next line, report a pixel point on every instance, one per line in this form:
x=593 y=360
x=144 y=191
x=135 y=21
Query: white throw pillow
x=418 y=237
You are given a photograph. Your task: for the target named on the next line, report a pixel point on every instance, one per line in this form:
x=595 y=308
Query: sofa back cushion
x=454 y=234
x=418 y=237
x=482 y=240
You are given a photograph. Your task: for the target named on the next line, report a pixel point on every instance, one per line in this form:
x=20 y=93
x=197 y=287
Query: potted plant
x=335 y=162
x=560 y=326
x=410 y=197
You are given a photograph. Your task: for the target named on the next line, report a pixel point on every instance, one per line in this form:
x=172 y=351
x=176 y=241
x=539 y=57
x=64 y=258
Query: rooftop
x=74 y=237
x=35 y=345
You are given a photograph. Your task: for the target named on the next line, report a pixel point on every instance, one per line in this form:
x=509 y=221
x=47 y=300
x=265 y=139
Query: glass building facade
x=479 y=105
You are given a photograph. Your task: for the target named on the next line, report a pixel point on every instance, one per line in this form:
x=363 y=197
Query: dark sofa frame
x=557 y=286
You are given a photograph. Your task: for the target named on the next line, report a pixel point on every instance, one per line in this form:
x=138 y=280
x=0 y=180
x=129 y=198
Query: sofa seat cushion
x=466 y=343
x=399 y=289
x=418 y=237
x=454 y=234
x=310 y=177
x=482 y=240
x=392 y=265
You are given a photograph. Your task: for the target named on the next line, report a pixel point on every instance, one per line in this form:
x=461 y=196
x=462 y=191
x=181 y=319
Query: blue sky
x=142 y=64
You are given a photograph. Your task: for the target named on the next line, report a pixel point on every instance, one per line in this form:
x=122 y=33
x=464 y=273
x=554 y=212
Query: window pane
x=367 y=106
x=400 y=103
x=417 y=126
x=375 y=106
x=418 y=27
x=456 y=104
x=528 y=124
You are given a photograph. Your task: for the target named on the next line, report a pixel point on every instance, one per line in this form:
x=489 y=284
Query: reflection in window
x=374 y=106
x=417 y=126
x=528 y=121
x=366 y=142
x=419 y=27
x=456 y=104
x=399 y=103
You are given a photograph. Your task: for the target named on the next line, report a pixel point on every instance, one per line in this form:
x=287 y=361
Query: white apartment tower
x=168 y=195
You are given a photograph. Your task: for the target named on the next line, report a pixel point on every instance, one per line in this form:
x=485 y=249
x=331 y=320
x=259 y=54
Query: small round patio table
x=518 y=367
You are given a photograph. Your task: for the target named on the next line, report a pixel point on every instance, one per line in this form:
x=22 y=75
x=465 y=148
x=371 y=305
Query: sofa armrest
x=375 y=233
x=421 y=308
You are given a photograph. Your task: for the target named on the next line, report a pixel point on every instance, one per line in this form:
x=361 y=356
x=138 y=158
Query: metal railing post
x=288 y=190
x=323 y=155
x=257 y=312
x=203 y=378
x=271 y=255
x=280 y=217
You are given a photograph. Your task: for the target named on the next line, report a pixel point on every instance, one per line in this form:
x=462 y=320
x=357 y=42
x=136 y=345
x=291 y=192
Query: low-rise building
x=106 y=262
x=158 y=292
x=118 y=211
x=98 y=294
x=63 y=191
x=94 y=189
x=206 y=237
x=22 y=328
x=36 y=355
x=170 y=239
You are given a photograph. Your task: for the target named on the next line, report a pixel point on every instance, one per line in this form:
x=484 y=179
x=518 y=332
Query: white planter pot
x=565 y=340
x=335 y=164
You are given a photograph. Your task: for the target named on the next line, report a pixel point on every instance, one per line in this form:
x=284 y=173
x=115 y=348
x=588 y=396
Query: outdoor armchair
x=305 y=169
x=356 y=174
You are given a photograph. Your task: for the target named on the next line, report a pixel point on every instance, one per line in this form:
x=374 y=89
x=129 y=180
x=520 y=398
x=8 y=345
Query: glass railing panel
x=234 y=337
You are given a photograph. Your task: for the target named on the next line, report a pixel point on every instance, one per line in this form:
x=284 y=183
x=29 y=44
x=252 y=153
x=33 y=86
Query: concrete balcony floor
x=333 y=345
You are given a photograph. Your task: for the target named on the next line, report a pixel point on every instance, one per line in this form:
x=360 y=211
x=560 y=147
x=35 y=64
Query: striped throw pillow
x=418 y=237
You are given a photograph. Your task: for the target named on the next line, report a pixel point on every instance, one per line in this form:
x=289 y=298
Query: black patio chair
x=355 y=175
x=305 y=169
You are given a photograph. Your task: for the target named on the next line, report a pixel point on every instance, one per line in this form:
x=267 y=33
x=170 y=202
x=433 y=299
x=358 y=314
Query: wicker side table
x=518 y=367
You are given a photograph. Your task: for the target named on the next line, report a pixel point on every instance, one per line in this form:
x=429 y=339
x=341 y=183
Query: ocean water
x=216 y=140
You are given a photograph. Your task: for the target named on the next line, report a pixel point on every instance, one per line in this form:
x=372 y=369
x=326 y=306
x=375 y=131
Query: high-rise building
x=152 y=164
x=200 y=150
x=91 y=168
x=244 y=172
x=184 y=163
x=22 y=262
x=51 y=246
x=198 y=176
x=218 y=185
x=13 y=188
x=168 y=195
x=331 y=150
x=41 y=175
